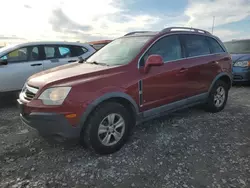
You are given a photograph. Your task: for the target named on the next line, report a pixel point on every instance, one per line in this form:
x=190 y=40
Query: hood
x=240 y=57
x=64 y=72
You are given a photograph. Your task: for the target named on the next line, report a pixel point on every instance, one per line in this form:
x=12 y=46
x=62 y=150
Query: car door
x=51 y=57
x=164 y=84
x=22 y=63
x=67 y=54
x=198 y=58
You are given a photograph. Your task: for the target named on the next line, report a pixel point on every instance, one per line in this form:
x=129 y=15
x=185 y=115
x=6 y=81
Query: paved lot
x=190 y=148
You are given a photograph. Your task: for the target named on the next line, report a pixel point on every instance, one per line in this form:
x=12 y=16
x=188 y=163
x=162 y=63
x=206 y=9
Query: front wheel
x=107 y=128
x=217 y=98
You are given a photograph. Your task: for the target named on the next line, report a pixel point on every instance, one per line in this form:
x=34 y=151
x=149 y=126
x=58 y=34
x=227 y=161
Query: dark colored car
x=99 y=44
x=137 y=77
x=240 y=51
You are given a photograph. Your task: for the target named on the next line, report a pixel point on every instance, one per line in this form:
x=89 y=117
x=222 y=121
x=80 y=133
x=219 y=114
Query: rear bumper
x=241 y=74
x=49 y=124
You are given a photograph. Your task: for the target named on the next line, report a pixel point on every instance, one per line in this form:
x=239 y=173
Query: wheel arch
x=224 y=77
x=118 y=97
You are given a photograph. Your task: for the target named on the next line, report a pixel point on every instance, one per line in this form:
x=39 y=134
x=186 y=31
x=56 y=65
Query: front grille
x=29 y=92
x=29 y=95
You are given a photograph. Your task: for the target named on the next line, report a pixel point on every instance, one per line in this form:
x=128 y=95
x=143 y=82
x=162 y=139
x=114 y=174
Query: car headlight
x=242 y=64
x=54 y=96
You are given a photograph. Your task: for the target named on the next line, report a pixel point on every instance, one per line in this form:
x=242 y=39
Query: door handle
x=36 y=64
x=71 y=61
x=182 y=70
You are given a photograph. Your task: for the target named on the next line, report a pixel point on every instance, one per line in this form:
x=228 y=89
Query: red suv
x=139 y=76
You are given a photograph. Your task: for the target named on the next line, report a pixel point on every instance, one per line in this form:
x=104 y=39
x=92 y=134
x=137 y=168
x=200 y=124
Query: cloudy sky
x=85 y=20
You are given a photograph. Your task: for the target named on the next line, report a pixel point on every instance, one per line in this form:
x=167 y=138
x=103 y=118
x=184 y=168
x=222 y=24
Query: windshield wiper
x=97 y=63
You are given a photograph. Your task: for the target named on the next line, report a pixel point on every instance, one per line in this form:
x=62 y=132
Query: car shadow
x=241 y=84
x=69 y=144
x=8 y=101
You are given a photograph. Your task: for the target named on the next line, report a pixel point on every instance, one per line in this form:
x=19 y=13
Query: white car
x=19 y=62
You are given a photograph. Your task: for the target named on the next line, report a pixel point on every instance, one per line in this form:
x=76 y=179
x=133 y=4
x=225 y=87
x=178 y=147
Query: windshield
x=120 y=51
x=7 y=47
x=238 y=47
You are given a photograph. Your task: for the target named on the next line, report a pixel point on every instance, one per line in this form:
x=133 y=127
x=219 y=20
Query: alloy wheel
x=111 y=129
x=219 y=97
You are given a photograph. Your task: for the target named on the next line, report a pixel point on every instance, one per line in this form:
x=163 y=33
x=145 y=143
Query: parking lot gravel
x=189 y=148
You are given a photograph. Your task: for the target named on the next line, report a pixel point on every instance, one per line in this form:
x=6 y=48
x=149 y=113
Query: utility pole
x=213 y=24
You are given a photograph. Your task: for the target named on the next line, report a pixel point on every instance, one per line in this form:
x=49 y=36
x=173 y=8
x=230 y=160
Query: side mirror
x=81 y=60
x=3 y=62
x=153 y=60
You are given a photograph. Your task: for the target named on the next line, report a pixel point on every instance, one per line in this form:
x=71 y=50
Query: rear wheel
x=107 y=128
x=217 y=98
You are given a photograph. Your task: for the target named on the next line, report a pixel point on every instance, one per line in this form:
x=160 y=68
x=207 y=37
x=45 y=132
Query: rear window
x=238 y=47
x=196 y=45
x=78 y=50
x=214 y=46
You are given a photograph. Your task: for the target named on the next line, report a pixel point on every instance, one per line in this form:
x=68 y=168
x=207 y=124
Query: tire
x=92 y=135
x=211 y=104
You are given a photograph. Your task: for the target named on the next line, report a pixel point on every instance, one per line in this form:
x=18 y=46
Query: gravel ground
x=190 y=148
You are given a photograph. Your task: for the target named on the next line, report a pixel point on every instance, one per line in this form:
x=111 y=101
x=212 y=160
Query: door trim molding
x=174 y=106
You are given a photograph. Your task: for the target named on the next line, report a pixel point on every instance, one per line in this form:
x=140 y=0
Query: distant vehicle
x=99 y=44
x=18 y=62
x=240 y=51
x=134 y=78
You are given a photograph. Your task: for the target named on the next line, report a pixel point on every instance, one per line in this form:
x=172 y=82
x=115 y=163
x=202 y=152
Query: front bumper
x=49 y=124
x=241 y=74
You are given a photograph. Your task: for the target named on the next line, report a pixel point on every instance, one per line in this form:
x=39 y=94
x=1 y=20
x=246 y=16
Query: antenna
x=213 y=24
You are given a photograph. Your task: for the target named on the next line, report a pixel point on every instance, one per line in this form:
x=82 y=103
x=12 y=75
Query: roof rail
x=134 y=32
x=185 y=28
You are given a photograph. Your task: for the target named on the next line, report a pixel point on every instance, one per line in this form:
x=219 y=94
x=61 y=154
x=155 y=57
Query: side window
x=51 y=52
x=196 y=45
x=78 y=51
x=64 y=51
x=34 y=56
x=168 y=47
x=18 y=55
x=214 y=45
